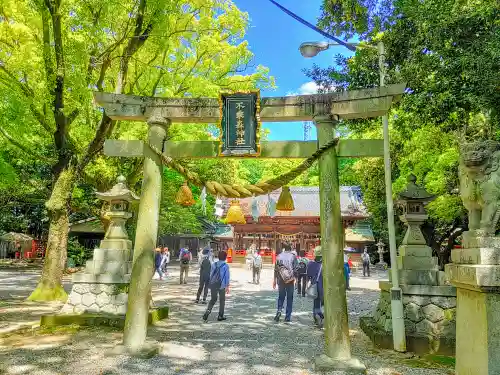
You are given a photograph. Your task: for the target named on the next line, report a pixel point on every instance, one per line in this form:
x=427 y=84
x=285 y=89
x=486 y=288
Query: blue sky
x=274 y=38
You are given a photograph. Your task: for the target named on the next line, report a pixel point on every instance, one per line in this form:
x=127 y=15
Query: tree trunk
x=49 y=287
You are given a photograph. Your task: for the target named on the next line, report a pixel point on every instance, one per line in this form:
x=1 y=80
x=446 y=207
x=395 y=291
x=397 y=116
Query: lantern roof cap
x=415 y=192
x=119 y=191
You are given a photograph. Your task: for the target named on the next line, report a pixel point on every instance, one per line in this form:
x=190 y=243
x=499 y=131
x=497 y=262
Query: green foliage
x=448 y=52
x=77 y=252
x=162 y=48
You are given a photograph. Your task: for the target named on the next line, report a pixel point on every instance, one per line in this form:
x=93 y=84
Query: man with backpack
x=284 y=277
x=302 y=274
x=205 y=268
x=219 y=286
x=185 y=257
x=256 y=267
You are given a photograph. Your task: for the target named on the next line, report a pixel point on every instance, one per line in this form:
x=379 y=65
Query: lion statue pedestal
x=475 y=270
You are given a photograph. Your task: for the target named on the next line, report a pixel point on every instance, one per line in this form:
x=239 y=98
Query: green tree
x=55 y=53
x=448 y=52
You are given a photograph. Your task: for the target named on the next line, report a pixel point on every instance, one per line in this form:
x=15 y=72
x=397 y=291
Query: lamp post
x=311 y=49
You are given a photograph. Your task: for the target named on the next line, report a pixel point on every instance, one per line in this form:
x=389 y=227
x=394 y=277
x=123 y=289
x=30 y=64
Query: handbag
x=312 y=290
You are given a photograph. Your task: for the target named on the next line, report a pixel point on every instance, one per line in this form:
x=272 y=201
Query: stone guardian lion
x=479 y=175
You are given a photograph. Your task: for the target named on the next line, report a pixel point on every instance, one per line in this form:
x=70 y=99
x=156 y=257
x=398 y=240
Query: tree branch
x=26 y=150
x=72 y=116
x=106 y=125
x=28 y=92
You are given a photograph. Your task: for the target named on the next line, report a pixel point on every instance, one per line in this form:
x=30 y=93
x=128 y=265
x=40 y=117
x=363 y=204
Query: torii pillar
x=337 y=354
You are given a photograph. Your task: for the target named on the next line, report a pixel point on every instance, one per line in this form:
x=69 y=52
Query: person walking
x=159 y=261
x=315 y=276
x=256 y=267
x=166 y=252
x=302 y=273
x=347 y=271
x=365 y=257
x=284 y=277
x=219 y=286
x=205 y=268
x=185 y=257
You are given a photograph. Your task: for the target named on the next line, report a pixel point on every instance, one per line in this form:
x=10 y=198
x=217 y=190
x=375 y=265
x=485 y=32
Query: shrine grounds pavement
x=249 y=342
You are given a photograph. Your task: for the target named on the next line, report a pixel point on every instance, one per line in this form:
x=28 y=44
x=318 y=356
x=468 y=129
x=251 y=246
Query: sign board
x=239 y=124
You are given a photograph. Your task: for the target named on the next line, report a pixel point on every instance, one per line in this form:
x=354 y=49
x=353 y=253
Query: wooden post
x=136 y=321
x=337 y=344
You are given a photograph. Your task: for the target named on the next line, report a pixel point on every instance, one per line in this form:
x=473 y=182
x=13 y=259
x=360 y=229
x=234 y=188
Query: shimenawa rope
x=237 y=191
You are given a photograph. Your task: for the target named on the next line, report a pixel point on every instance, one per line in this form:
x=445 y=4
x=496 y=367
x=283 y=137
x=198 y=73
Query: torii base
x=325 y=364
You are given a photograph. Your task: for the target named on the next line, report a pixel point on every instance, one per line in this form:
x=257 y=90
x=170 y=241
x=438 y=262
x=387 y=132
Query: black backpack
x=205 y=267
x=301 y=268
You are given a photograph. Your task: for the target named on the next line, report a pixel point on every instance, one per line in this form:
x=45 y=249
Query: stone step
x=474 y=239
x=112 y=255
x=116 y=244
x=476 y=275
x=415 y=251
x=100 y=279
x=418 y=277
x=476 y=256
x=409 y=262
x=97 y=267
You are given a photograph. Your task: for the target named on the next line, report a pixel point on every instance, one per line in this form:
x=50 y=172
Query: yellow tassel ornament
x=235 y=214
x=285 y=201
x=185 y=196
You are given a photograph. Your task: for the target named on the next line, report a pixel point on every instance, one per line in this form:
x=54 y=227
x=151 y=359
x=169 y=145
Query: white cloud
x=308 y=88
x=292 y=93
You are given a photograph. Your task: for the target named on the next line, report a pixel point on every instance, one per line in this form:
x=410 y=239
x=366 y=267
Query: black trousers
x=216 y=291
x=256 y=275
x=302 y=284
x=203 y=288
x=366 y=268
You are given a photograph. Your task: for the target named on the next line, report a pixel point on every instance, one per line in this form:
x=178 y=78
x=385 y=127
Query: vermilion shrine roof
x=306 y=201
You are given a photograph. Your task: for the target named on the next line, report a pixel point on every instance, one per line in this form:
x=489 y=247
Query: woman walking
x=315 y=276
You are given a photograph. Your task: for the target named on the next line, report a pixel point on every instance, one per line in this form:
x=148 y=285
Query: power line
x=311 y=26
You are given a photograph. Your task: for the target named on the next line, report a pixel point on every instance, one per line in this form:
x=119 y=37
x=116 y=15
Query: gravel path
x=247 y=343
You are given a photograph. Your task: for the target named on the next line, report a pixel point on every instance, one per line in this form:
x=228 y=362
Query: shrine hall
x=268 y=229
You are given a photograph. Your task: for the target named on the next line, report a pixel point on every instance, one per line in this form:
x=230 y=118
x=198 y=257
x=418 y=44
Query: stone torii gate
x=326 y=110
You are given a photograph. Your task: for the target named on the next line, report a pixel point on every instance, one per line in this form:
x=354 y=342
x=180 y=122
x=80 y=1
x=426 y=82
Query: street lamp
x=311 y=49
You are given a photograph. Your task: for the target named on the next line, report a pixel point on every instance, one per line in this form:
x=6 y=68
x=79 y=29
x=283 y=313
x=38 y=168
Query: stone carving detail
x=480 y=184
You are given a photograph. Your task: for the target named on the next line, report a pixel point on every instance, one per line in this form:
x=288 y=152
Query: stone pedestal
x=103 y=287
x=475 y=272
x=430 y=318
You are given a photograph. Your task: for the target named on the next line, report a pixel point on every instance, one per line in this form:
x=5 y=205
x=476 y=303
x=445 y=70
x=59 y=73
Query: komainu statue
x=479 y=174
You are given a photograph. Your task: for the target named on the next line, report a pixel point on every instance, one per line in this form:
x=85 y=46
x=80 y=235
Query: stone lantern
x=429 y=303
x=119 y=199
x=380 y=246
x=415 y=260
x=103 y=286
x=413 y=201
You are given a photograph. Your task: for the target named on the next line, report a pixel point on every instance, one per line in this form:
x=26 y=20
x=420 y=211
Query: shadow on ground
x=248 y=343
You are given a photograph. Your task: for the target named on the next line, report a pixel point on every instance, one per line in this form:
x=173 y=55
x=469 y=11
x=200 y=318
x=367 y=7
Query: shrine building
x=300 y=227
